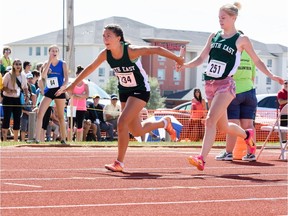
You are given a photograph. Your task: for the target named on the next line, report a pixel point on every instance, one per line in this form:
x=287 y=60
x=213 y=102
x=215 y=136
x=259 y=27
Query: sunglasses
x=8 y=51
x=18 y=64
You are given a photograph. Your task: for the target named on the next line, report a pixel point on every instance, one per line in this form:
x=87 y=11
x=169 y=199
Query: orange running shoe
x=197 y=161
x=115 y=167
x=169 y=128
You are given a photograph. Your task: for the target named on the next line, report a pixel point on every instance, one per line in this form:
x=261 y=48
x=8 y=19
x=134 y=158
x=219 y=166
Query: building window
x=30 y=51
x=161 y=74
x=269 y=63
x=268 y=81
x=45 y=51
x=166 y=93
x=38 y=51
x=161 y=58
x=176 y=76
x=101 y=72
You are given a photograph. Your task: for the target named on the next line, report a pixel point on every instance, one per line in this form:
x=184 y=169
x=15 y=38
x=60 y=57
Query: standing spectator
x=25 y=113
x=282 y=100
x=27 y=67
x=224 y=51
x=78 y=99
x=242 y=109
x=36 y=75
x=6 y=60
x=32 y=88
x=112 y=111
x=13 y=82
x=1 y=86
x=55 y=72
x=133 y=86
x=198 y=113
x=2 y=68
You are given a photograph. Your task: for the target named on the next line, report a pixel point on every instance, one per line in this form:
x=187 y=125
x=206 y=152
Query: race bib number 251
x=216 y=68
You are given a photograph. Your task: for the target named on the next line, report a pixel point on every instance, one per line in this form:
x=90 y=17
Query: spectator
x=6 y=60
x=2 y=68
x=36 y=75
x=32 y=88
x=13 y=82
x=53 y=127
x=25 y=114
x=1 y=86
x=27 y=67
x=95 y=111
x=112 y=111
x=282 y=99
x=242 y=109
x=143 y=116
x=55 y=74
x=90 y=129
x=41 y=83
x=198 y=113
x=78 y=99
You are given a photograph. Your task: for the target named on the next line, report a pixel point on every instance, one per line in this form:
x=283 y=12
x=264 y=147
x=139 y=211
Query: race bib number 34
x=127 y=79
x=215 y=68
x=52 y=82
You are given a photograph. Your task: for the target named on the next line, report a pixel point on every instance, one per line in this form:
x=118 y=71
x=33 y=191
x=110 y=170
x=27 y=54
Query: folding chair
x=277 y=128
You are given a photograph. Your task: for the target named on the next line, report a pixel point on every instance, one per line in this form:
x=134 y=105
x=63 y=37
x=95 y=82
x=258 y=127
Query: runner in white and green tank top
x=224 y=58
x=131 y=75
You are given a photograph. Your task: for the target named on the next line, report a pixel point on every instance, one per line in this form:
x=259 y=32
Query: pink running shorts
x=213 y=87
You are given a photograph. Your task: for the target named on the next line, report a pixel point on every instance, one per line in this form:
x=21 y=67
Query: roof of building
x=138 y=33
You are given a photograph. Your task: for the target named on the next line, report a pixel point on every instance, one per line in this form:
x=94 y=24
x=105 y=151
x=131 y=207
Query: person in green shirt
x=242 y=109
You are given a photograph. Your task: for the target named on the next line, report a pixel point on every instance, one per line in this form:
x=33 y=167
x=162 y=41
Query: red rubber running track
x=157 y=181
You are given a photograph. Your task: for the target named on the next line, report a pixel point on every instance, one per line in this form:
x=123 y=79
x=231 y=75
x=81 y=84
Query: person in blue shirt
x=55 y=74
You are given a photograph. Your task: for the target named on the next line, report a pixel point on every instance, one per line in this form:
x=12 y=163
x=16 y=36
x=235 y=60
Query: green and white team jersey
x=131 y=75
x=224 y=58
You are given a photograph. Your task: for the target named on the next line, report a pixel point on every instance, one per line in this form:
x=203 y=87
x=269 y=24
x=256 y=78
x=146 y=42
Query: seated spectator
x=143 y=116
x=112 y=111
x=87 y=127
x=95 y=114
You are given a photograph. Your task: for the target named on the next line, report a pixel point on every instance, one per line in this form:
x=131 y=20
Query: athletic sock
x=121 y=163
x=165 y=123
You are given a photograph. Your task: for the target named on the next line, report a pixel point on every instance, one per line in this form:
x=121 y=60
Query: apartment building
x=88 y=42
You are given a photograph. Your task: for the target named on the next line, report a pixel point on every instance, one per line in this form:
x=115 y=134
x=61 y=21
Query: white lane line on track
x=147 y=169
x=146 y=188
x=144 y=203
x=150 y=176
x=23 y=185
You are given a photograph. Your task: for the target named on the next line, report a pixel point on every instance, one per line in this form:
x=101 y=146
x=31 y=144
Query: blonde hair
x=53 y=46
x=231 y=9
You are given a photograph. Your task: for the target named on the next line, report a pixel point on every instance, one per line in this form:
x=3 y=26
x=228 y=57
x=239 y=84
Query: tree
x=112 y=86
x=155 y=101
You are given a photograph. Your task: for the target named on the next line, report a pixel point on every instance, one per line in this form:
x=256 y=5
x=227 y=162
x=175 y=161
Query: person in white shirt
x=112 y=111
